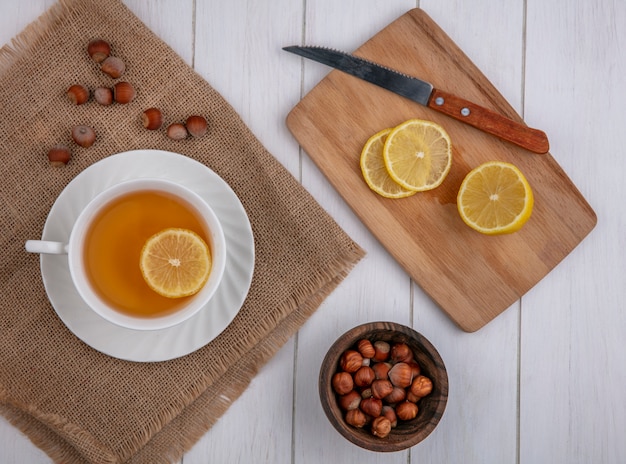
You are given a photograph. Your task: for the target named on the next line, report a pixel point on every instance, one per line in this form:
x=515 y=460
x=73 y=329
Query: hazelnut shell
x=59 y=156
x=113 y=66
x=196 y=125
x=98 y=50
x=177 y=131
x=103 y=95
x=152 y=119
x=123 y=92
x=78 y=94
x=83 y=135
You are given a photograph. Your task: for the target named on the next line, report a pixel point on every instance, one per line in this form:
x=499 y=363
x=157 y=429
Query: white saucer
x=184 y=338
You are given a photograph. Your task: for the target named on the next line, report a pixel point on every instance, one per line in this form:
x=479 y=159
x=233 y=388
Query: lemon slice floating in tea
x=495 y=198
x=418 y=154
x=374 y=170
x=175 y=262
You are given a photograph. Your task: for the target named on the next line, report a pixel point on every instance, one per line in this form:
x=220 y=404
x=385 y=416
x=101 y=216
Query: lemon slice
x=175 y=262
x=495 y=198
x=418 y=154
x=374 y=170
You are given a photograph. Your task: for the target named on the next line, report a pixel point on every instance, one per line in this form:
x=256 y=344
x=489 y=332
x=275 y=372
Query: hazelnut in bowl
x=383 y=386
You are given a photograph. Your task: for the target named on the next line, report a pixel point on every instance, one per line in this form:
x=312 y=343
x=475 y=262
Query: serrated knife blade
x=424 y=93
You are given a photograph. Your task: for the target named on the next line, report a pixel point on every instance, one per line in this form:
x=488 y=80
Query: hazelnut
x=83 y=135
x=397 y=394
x=401 y=352
x=366 y=392
x=98 y=50
x=411 y=397
x=123 y=92
x=390 y=414
x=350 y=400
x=381 y=351
x=366 y=348
x=381 y=388
x=421 y=386
x=103 y=95
x=364 y=376
x=177 y=131
x=356 y=418
x=415 y=368
x=78 y=94
x=350 y=360
x=113 y=66
x=406 y=410
x=371 y=406
x=342 y=383
x=381 y=370
x=401 y=375
x=152 y=119
x=381 y=426
x=59 y=156
x=196 y=126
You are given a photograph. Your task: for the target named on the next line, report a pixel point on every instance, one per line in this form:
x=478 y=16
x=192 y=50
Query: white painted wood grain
x=573 y=407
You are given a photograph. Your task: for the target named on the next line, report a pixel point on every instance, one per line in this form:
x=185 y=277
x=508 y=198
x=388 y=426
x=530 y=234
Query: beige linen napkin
x=77 y=404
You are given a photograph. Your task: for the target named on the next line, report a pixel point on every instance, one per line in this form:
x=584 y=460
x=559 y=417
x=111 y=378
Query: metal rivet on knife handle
x=489 y=121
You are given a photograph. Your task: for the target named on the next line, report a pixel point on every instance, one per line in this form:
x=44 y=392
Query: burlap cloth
x=75 y=403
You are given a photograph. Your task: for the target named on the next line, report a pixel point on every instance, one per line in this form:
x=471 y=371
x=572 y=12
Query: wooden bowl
x=431 y=407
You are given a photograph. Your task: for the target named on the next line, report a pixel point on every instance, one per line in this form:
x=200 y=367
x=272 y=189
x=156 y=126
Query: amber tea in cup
x=113 y=244
x=105 y=246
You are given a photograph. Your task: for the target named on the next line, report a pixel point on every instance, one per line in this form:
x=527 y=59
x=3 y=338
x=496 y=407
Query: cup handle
x=46 y=247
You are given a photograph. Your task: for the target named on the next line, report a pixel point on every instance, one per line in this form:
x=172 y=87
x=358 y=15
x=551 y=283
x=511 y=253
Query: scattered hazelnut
x=123 y=92
x=103 y=95
x=381 y=349
x=356 y=418
x=366 y=348
x=381 y=388
x=78 y=94
x=98 y=50
x=401 y=375
x=421 y=386
x=152 y=119
x=350 y=360
x=113 y=66
x=350 y=400
x=401 y=352
x=381 y=426
x=390 y=414
x=59 y=156
x=342 y=383
x=177 y=131
x=364 y=376
x=371 y=406
x=196 y=126
x=406 y=410
x=83 y=135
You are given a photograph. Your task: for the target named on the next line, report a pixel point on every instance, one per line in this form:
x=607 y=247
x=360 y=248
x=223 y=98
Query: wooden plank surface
x=472 y=277
x=543 y=381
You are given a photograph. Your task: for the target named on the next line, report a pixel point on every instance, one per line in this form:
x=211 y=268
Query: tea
x=113 y=246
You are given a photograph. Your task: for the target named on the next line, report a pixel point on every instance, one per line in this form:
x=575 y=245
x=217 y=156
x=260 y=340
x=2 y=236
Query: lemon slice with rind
x=495 y=198
x=374 y=170
x=418 y=154
x=175 y=262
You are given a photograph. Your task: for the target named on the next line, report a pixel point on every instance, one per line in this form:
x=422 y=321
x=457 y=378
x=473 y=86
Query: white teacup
x=105 y=307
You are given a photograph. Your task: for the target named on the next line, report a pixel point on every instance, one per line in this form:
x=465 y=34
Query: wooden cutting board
x=472 y=277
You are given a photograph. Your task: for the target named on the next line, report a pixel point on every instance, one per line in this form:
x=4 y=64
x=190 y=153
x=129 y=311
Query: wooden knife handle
x=488 y=121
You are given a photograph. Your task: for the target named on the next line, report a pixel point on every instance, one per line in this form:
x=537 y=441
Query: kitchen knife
x=425 y=94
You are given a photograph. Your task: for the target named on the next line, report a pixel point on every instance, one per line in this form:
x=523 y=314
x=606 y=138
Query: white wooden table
x=542 y=383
